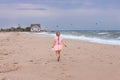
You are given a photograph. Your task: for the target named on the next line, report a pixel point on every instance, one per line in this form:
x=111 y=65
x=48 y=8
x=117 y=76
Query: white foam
x=103 y=33
x=46 y=33
x=97 y=40
x=118 y=38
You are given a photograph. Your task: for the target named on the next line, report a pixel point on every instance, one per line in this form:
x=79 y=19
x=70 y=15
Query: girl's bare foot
x=58 y=59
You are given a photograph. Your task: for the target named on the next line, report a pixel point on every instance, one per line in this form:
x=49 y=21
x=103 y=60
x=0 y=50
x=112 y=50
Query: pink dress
x=57 y=44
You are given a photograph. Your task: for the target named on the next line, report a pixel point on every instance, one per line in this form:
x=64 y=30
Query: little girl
x=57 y=45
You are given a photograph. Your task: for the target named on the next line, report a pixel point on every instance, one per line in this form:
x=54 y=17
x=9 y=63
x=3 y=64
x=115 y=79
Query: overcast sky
x=61 y=14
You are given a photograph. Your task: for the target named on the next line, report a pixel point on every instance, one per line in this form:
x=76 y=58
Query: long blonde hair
x=58 y=35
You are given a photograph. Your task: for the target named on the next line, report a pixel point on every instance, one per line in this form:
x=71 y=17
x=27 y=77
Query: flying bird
x=57 y=26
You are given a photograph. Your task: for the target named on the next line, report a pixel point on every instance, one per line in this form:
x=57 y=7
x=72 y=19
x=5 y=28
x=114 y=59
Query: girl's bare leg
x=59 y=55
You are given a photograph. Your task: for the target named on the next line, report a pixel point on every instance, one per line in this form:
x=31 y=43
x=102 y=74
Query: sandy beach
x=26 y=56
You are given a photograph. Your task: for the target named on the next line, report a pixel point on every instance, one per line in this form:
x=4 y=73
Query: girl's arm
x=53 y=43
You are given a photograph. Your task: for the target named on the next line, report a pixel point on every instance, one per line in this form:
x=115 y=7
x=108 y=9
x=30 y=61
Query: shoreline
x=108 y=43
x=30 y=57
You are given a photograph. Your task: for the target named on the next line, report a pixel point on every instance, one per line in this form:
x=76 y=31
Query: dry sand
x=29 y=57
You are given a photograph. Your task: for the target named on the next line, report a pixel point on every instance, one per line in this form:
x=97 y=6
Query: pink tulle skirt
x=57 y=47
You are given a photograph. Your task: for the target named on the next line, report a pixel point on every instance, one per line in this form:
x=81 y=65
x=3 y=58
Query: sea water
x=98 y=36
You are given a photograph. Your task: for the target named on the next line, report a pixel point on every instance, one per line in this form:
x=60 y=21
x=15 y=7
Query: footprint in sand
x=30 y=60
x=68 y=77
x=1 y=58
x=4 y=78
x=62 y=73
x=78 y=48
x=15 y=63
x=110 y=63
x=46 y=63
x=64 y=69
x=4 y=53
x=8 y=68
x=63 y=64
x=73 y=61
x=36 y=61
x=101 y=60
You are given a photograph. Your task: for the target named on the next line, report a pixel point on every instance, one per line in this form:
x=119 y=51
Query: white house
x=35 y=27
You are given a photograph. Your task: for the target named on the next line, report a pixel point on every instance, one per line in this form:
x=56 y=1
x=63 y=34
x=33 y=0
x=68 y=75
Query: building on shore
x=35 y=27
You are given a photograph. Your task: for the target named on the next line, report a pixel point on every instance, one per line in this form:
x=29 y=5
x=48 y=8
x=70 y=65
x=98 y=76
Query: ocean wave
x=92 y=39
x=85 y=38
x=102 y=33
